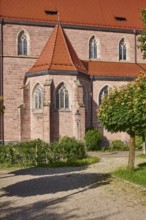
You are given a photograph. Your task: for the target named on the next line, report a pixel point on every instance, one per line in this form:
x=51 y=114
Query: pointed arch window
x=93 y=48
x=62 y=97
x=22 y=44
x=104 y=92
x=38 y=97
x=122 y=50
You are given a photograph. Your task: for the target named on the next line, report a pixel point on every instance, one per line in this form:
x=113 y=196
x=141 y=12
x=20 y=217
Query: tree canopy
x=125 y=110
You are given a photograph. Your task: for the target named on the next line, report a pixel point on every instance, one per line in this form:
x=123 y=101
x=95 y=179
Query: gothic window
x=62 y=97
x=38 y=97
x=22 y=44
x=122 y=50
x=92 y=48
x=104 y=92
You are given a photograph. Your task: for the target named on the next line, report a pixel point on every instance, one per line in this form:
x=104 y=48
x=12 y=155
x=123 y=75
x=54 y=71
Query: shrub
x=118 y=145
x=29 y=153
x=71 y=149
x=93 y=139
x=37 y=152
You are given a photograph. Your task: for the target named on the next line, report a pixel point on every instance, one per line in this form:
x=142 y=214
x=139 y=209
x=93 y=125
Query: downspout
x=91 y=101
x=1 y=81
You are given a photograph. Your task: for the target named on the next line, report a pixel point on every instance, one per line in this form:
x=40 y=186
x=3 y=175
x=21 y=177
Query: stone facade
x=21 y=121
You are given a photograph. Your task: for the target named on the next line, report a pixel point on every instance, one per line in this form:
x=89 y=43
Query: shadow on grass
x=142 y=165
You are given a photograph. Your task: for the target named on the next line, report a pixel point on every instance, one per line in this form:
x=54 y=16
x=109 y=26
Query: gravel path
x=87 y=193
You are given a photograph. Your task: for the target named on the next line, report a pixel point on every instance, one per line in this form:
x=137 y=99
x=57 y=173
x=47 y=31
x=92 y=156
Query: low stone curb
x=133 y=184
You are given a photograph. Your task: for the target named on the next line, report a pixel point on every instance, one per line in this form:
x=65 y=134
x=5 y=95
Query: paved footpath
x=87 y=193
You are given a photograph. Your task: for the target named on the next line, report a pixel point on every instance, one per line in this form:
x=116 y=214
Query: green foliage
x=39 y=153
x=138 y=176
x=138 y=142
x=24 y=154
x=143 y=156
x=93 y=139
x=118 y=145
x=125 y=108
x=142 y=38
x=73 y=163
x=71 y=148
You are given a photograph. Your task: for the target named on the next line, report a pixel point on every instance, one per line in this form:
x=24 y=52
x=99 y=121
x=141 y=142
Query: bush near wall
x=118 y=145
x=37 y=152
x=93 y=139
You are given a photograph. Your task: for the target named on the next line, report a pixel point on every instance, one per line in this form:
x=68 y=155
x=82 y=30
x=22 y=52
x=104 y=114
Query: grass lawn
x=143 y=156
x=138 y=176
x=72 y=163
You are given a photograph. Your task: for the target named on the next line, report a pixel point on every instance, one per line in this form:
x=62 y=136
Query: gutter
x=71 y=26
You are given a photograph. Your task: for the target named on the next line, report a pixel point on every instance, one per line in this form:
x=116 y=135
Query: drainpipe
x=91 y=101
x=1 y=81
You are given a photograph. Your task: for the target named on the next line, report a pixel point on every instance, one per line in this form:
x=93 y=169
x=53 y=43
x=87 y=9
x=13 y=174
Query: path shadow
x=55 y=184
x=44 y=211
x=38 y=211
x=47 y=171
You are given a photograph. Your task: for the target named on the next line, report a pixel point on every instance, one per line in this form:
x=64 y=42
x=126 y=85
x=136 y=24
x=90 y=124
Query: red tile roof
x=100 y=13
x=115 y=69
x=58 y=54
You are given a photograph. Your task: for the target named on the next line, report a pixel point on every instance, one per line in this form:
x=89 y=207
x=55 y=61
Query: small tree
x=125 y=110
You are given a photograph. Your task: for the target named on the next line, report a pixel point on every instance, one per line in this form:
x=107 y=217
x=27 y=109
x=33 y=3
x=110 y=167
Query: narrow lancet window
x=62 y=97
x=22 y=44
x=92 y=48
x=122 y=50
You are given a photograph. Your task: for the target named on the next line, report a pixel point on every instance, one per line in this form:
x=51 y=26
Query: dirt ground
x=87 y=193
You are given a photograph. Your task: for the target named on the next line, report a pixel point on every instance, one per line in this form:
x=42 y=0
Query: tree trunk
x=131 y=160
x=144 y=146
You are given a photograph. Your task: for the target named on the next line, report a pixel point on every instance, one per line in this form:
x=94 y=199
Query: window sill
x=124 y=61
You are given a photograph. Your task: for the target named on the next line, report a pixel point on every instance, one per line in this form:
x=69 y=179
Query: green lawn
x=138 y=176
x=71 y=163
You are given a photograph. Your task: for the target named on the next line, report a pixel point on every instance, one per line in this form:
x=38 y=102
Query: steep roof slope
x=58 y=54
x=115 y=69
x=99 y=13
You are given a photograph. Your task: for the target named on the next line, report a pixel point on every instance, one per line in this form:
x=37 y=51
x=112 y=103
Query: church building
x=58 y=58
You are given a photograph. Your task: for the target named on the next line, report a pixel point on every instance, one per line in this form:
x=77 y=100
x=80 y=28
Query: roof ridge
x=69 y=44
x=53 y=51
x=65 y=40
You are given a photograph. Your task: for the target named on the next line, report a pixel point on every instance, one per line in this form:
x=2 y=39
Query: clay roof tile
x=58 y=54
